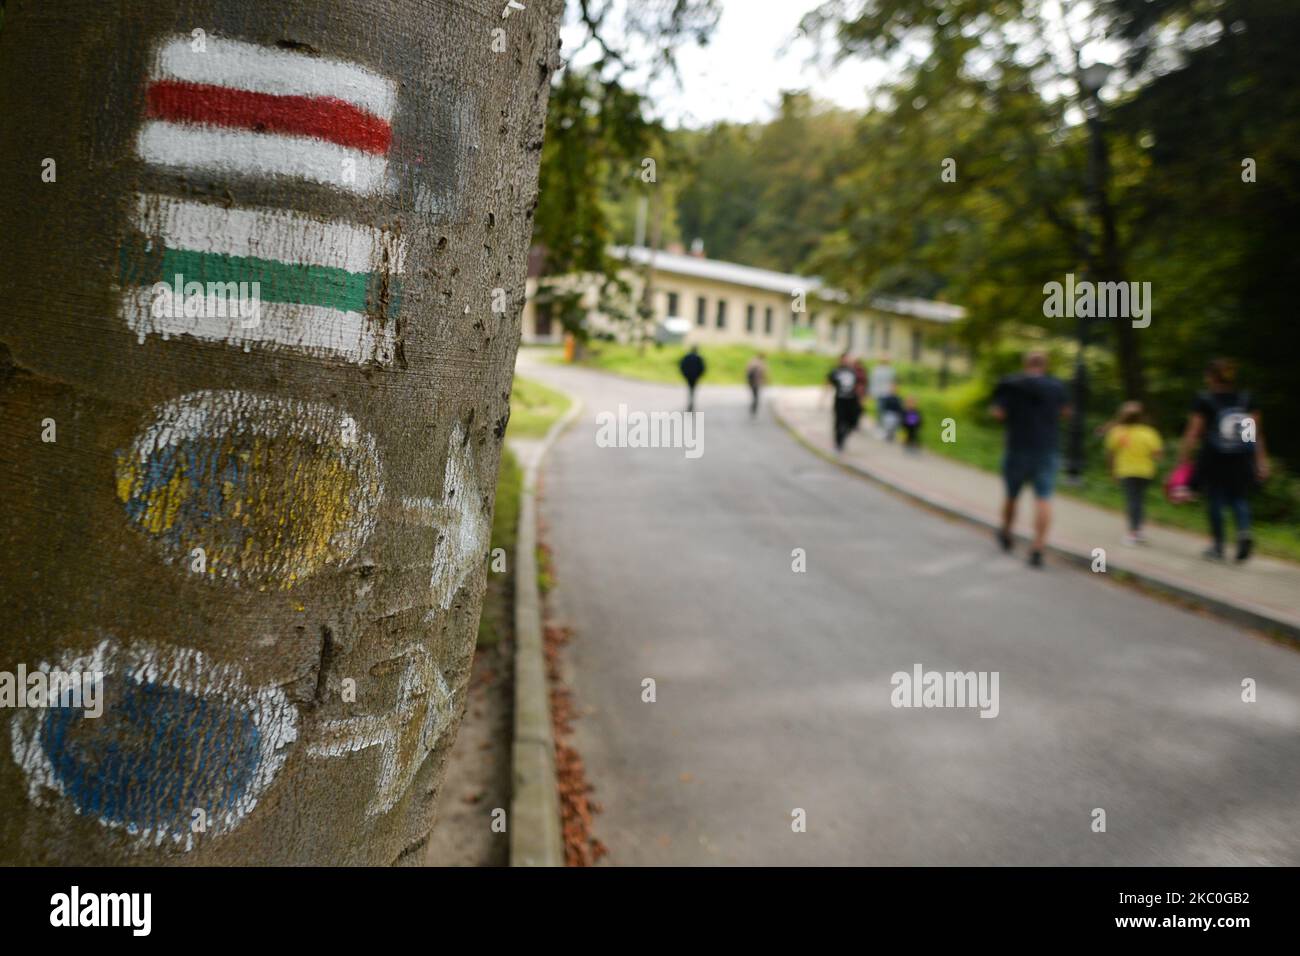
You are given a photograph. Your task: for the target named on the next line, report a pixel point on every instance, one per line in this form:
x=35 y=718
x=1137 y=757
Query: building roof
x=699 y=267
x=920 y=308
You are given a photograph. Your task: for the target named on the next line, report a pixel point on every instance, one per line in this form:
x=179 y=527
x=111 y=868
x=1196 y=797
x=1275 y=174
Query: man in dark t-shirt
x=844 y=383
x=1031 y=405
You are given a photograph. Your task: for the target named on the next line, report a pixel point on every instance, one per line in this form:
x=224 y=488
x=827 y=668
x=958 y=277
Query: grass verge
x=534 y=408
x=496 y=623
x=979 y=443
x=724 y=364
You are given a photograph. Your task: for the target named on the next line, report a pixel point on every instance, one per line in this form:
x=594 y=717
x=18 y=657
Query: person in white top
x=881 y=383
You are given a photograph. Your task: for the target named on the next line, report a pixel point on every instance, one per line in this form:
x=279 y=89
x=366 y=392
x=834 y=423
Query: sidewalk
x=1263 y=593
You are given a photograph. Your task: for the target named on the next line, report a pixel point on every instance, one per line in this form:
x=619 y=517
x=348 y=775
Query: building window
x=749 y=317
x=672 y=305
x=916 y=345
x=701 y=312
x=722 y=314
x=871 y=335
x=767 y=321
x=884 y=342
x=852 y=327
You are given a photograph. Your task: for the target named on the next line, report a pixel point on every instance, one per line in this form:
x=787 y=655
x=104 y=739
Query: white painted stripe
x=465 y=543
x=312 y=329
x=228 y=151
x=260 y=69
x=422 y=511
x=268 y=234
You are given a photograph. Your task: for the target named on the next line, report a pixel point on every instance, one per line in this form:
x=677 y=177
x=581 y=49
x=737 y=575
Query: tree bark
x=268 y=532
x=1108 y=261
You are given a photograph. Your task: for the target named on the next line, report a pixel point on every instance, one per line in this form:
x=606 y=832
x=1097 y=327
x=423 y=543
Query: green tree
x=1218 y=129
x=598 y=138
x=1008 y=48
x=763 y=193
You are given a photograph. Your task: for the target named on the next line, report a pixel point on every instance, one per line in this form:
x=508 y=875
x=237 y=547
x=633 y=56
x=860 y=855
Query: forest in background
x=1200 y=120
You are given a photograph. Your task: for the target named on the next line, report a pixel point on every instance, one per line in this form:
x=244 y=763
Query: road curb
x=1226 y=609
x=535 y=833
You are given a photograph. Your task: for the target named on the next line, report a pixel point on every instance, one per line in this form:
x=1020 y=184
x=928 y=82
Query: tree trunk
x=262 y=519
x=1108 y=264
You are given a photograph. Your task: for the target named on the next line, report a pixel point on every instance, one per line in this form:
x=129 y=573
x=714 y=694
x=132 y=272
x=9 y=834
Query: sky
x=739 y=76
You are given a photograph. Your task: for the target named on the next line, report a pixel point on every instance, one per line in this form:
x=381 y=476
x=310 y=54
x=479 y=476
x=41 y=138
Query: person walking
x=882 y=383
x=1232 y=457
x=1031 y=405
x=756 y=375
x=912 y=425
x=844 y=385
x=860 y=373
x=692 y=368
x=1133 y=448
x=889 y=409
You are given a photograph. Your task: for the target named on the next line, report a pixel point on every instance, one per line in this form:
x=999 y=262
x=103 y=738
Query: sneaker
x=1004 y=541
x=1035 y=559
x=1132 y=540
x=1245 y=544
x=1213 y=553
x=1140 y=538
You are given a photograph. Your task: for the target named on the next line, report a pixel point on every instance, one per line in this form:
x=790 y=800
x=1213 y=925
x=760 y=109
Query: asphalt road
x=774 y=687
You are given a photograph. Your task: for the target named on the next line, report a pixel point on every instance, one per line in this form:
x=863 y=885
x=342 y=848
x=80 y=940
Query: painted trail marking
x=271 y=489
x=180 y=733
x=405 y=735
x=459 y=517
x=426 y=512
x=246 y=109
x=317 y=280
x=466 y=534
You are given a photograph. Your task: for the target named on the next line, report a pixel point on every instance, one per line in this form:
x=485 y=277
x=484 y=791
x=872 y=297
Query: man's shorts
x=1038 y=468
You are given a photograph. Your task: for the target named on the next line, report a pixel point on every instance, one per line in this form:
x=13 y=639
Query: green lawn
x=724 y=364
x=497 y=621
x=534 y=409
x=979 y=443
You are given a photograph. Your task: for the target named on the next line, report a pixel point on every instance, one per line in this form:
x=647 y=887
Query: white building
x=707 y=302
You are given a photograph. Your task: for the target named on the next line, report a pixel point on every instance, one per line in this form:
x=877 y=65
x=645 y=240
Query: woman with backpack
x=1226 y=426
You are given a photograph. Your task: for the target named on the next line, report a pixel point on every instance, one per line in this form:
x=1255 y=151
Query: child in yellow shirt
x=1133 y=448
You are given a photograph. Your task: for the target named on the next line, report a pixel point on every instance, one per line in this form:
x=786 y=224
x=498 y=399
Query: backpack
x=1225 y=436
